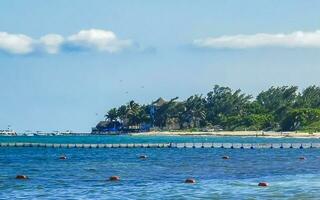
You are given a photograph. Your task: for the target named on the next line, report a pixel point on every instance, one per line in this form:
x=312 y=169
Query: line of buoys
x=171 y=145
x=117 y=178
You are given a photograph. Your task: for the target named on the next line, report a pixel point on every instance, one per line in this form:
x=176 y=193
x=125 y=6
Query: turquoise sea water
x=84 y=175
x=150 y=139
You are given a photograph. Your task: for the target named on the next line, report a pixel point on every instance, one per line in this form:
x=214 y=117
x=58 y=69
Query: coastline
x=231 y=134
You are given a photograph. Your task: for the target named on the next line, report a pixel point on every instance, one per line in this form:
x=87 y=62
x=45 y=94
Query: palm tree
x=194 y=113
x=122 y=113
x=112 y=114
x=167 y=113
x=132 y=113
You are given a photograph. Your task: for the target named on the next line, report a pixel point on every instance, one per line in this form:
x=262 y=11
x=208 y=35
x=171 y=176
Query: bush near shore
x=282 y=108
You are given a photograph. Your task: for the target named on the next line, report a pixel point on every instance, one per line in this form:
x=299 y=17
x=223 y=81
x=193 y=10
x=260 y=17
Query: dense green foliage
x=278 y=108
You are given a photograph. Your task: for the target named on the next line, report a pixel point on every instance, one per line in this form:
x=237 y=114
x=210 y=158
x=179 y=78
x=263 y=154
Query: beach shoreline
x=230 y=134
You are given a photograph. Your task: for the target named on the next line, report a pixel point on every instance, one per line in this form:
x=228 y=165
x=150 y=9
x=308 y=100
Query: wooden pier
x=172 y=145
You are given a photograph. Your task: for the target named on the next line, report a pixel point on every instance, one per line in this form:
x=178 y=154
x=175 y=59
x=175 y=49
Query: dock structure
x=171 y=145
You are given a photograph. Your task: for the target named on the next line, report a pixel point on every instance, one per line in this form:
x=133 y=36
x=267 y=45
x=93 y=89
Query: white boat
x=67 y=132
x=27 y=134
x=39 y=133
x=7 y=132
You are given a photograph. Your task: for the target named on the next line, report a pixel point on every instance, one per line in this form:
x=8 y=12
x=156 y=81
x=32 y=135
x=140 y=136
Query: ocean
x=85 y=173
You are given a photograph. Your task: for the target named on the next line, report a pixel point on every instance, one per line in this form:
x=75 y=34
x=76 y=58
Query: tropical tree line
x=282 y=108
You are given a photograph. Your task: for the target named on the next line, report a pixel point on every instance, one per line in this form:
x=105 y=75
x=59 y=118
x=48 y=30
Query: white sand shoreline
x=231 y=134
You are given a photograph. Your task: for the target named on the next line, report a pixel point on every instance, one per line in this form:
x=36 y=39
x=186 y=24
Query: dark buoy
x=225 y=157
x=63 y=157
x=263 y=184
x=302 y=158
x=190 y=180
x=21 y=177
x=143 y=156
x=114 y=178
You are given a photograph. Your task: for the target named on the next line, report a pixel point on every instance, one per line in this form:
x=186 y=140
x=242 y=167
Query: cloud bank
x=296 y=39
x=92 y=39
x=16 y=43
x=98 y=39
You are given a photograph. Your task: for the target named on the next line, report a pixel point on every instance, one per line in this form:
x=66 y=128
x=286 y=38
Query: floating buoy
x=63 y=157
x=114 y=178
x=302 y=158
x=190 y=180
x=22 y=177
x=143 y=156
x=263 y=184
x=225 y=157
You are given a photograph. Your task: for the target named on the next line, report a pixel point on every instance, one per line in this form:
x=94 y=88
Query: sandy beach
x=231 y=133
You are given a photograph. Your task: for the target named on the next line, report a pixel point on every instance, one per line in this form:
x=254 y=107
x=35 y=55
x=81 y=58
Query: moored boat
x=7 y=132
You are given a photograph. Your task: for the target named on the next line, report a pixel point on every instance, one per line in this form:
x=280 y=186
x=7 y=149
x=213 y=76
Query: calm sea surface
x=84 y=175
x=150 y=139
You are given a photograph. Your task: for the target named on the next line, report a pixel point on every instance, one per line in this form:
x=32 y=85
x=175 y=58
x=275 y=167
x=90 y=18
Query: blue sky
x=63 y=64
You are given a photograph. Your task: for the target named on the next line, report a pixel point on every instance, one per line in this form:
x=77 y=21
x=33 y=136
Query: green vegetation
x=278 y=109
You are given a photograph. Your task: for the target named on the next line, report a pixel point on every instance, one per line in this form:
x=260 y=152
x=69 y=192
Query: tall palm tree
x=112 y=114
x=194 y=113
x=132 y=112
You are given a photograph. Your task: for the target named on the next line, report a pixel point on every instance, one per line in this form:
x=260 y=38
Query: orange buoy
x=22 y=177
x=190 y=180
x=225 y=157
x=114 y=178
x=263 y=184
x=143 y=156
x=63 y=157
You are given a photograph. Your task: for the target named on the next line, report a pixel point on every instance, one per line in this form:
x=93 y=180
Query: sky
x=63 y=64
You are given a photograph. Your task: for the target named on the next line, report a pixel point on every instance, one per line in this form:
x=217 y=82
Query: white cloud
x=92 y=39
x=52 y=43
x=292 y=40
x=100 y=40
x=15 y=43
